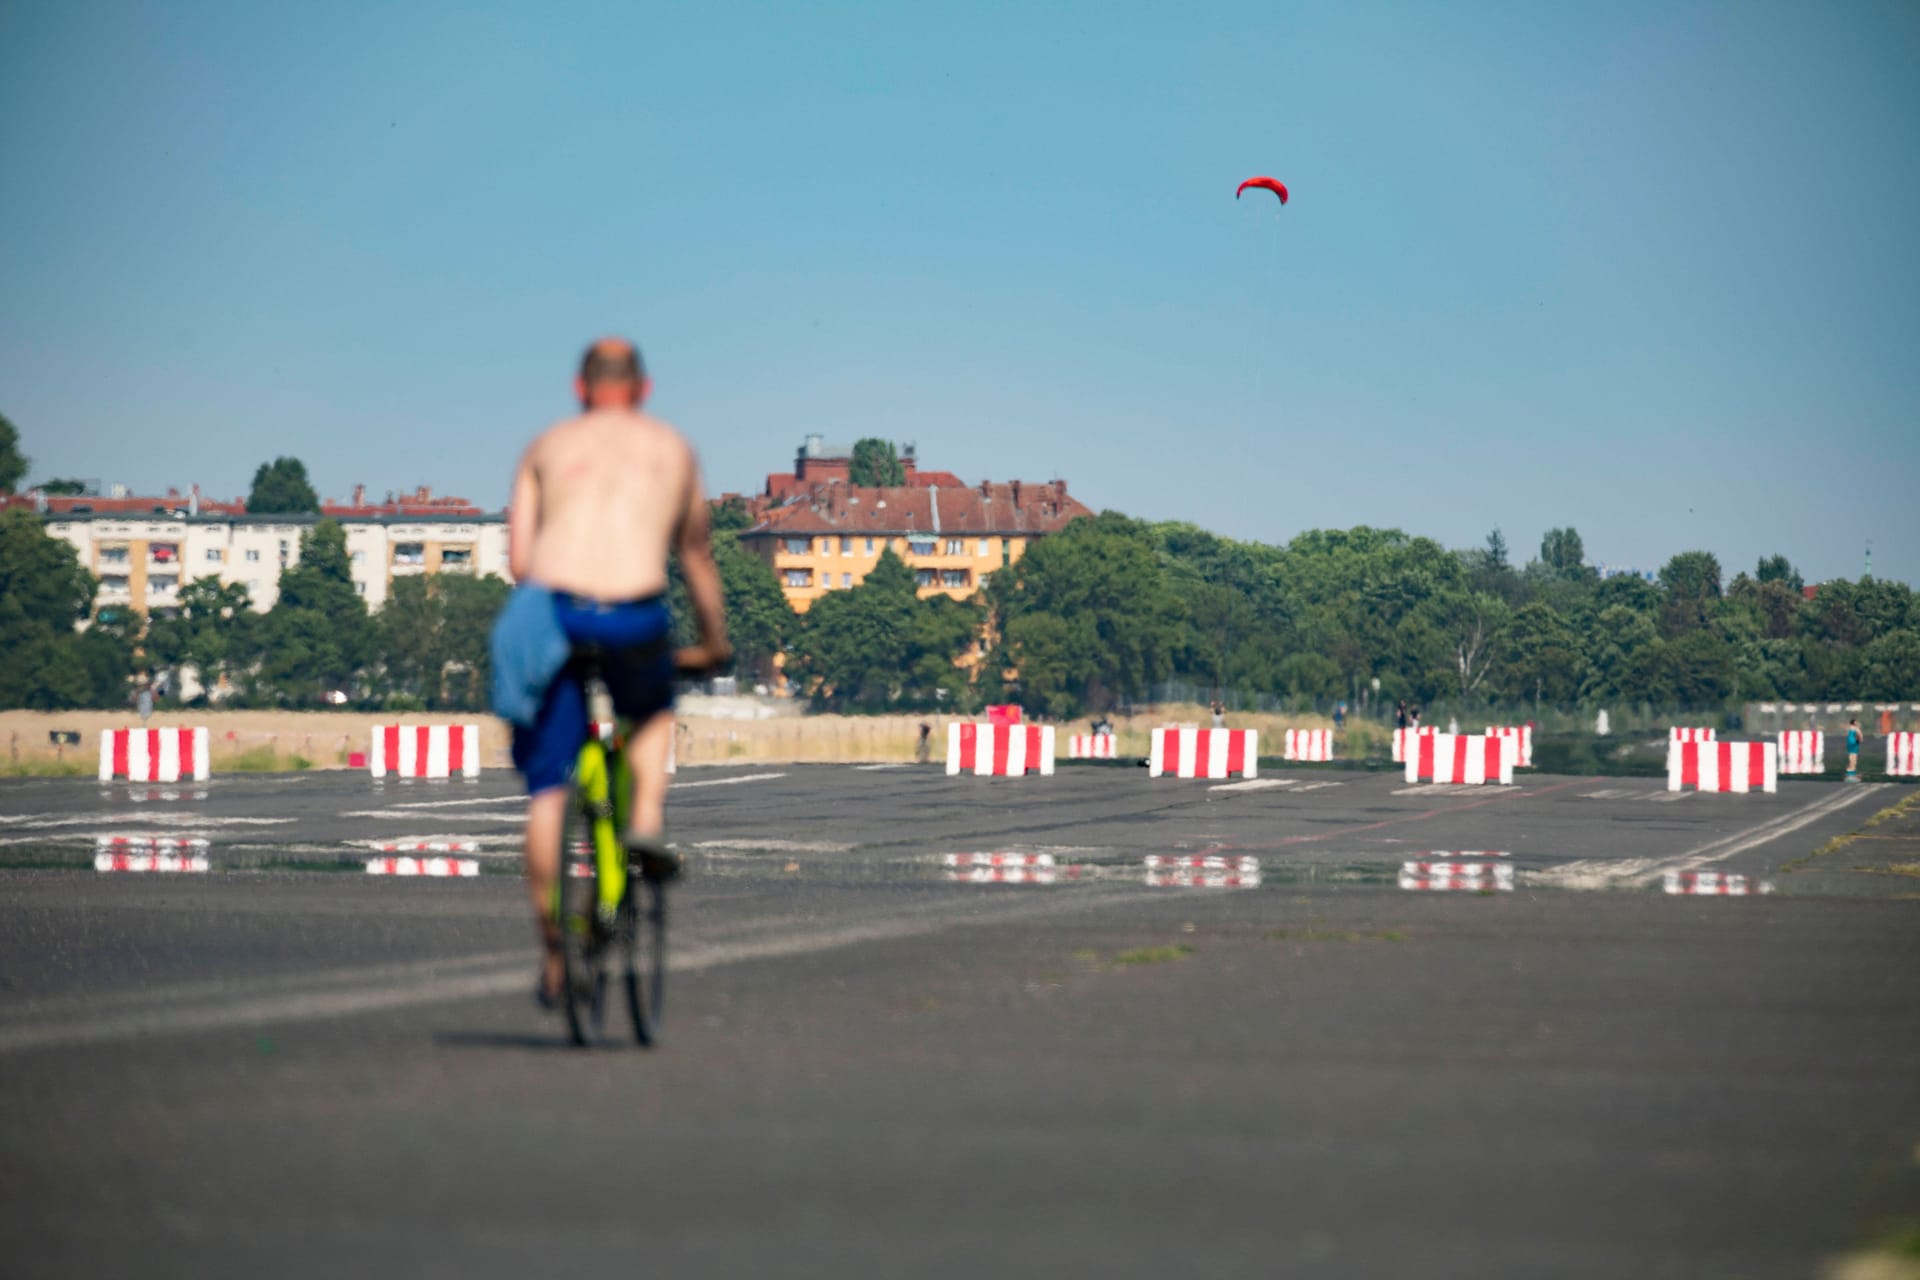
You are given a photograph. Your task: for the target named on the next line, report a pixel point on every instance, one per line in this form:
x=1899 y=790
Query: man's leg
x=647 y=749
x=546 y=816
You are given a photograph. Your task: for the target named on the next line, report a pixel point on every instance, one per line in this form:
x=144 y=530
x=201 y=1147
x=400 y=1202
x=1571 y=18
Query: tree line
x=1091 y=618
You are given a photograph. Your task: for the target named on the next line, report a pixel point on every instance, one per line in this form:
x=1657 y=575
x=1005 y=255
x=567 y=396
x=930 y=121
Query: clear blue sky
x=1649 y=269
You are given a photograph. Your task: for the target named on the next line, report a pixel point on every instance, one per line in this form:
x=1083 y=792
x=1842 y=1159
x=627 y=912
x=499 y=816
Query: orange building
x=827 y=535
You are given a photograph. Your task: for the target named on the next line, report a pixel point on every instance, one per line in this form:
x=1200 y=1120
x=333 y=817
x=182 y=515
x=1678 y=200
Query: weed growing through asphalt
x=1314 y=934
x=1154 y=955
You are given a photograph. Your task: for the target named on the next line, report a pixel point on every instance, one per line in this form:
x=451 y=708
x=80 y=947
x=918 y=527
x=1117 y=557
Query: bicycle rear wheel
x=643 y=939
x=584 y=990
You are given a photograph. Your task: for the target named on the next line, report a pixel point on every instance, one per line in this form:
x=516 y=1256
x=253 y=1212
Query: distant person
x=923 y=749
x=1400 y=714
x=599 y=503
x=1453 y=724
x=1853 y=749
x=1340 y=715
x=1219 y=715
x=1413 y=719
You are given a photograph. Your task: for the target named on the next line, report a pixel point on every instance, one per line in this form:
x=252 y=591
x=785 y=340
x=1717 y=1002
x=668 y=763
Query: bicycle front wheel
x=643 y=938
x=584 y=989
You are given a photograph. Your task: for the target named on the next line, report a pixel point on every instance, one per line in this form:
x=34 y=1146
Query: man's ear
x=646 y=389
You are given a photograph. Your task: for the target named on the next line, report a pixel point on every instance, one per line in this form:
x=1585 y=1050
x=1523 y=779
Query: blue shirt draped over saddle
x=530 y=648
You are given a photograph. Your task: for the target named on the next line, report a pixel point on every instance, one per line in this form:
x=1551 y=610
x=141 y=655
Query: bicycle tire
x=643 y=936
x=583 y=983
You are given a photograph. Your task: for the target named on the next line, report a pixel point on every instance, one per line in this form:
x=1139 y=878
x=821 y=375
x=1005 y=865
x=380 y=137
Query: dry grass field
x=245 y=741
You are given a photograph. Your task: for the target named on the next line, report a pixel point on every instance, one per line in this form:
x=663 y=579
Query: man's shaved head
x=612 y=371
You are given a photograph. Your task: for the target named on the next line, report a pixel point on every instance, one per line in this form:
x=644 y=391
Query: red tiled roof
x=1016 y=507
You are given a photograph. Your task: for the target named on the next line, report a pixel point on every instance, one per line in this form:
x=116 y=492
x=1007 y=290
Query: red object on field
x=356 y=759
x=1007 y=713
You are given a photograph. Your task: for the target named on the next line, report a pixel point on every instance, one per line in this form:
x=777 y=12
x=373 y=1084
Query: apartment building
x=828 y=536
x=143 y=551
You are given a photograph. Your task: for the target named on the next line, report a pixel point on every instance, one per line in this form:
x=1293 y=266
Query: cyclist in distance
x=599 y=502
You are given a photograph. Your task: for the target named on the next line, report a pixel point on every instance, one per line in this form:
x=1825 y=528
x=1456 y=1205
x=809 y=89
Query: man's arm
x=523 y=518
x=694 y=543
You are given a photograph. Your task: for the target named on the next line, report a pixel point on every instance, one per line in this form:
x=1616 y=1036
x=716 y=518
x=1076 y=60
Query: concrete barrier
x=1204 y=753
x=425 y=750
x=1000 y=750
x=1402 y=737
x=1679 y=733
x=1466 y=759
x=153 y=755
x=1903 y=755
x=1308 y=744
x=1090 y=746
x=1737 y=767
x=1803 y=751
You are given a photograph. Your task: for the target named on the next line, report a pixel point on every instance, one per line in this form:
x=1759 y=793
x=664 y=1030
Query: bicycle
x=596 y=903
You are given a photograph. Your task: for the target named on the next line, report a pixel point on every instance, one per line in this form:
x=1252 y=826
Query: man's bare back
x=605 y=496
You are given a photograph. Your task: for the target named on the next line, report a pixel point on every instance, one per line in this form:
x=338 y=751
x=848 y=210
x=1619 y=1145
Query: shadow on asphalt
x=503 y=1040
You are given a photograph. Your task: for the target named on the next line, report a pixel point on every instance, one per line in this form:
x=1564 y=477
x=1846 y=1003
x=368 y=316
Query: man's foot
x=656 y=862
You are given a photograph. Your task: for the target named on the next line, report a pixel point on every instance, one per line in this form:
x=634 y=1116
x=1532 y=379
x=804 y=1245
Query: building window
x=799 y=578
x=869 y=546
x=458 y=558
x=283 y=551
x=953 y=577
x=164 y=552
x=409 y=553
x=956 y=546
x=114 y=582
x=358 y=557
x=986 y=548
x=215 y=555
x=797 y=546
x=360 y=587
x=161 y=583
x=846 y=579
x=926 y=578
x=920 y=546
x=846 y=546
x=113 y=555
x=253 y=555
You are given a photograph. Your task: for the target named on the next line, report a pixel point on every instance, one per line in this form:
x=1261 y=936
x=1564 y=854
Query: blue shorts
x=633 y=644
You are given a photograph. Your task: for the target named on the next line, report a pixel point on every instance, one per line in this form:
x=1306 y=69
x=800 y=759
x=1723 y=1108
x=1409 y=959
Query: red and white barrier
x=425 y=750
x=1090 y=746
x=1714 y=883
x=1682 y=734
x=1469 y=759
x=1522 y=735
x=1903 y=755
x=422 y=867
x=1803 y=751
x=1308 y=744
x=428 y=846
x=189 y=863
x=1013 y=875
x=1457 y=877
x=1200 y=862
x=1204 y=753
x=996 y=860
x=153 y=755
x=1723 y=766
x=1000 y=750
x=1402 y=737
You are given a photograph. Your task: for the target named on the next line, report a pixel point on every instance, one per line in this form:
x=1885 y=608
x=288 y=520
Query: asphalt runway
x=1273 y=1048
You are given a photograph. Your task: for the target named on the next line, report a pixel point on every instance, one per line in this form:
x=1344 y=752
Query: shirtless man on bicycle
x=599 y=501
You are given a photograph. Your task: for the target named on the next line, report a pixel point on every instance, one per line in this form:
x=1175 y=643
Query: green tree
x=1542 y=656
x=875 y=464
x=317 y=637
x=13 y=463
x=1779 y=569
x=62 y=488
x=44 y=596
x=1691 y=582
x=281 y=487
x=1562 y=551
x=855 y=646
x=1893 y=667
x=211 y=633
x=430 y=641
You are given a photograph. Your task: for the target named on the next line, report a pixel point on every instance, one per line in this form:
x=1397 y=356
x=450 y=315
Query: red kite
x=1274 y=185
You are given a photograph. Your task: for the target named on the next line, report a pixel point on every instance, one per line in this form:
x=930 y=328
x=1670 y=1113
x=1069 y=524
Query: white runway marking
x=1252 y=784
x=346 y=992
x=50 y=821
x=515 y=814
x=1612 y=873
x=728 y=782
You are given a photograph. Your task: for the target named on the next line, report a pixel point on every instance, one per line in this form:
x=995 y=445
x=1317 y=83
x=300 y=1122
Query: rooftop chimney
x=360 y=495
